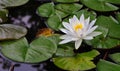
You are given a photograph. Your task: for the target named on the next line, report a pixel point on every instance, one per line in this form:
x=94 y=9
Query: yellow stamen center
x=78 y=26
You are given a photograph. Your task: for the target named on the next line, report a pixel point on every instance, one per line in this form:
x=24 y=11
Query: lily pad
x=66 y=1
x=104 y=65
x=65 y=50
x=61 y=14
x=104 y=43
x=69 y=8
x=79 y=62
x=10 y=3
x=101 y=5
x=110 y=24
x=118 y=16
x=9 y=31
x=87 y=14
x=110 y=36
x=54 y=22
x=38 y=50
x=46 y=10
x=115 y=57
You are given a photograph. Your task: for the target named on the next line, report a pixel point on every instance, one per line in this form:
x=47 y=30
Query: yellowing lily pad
x=79 y=62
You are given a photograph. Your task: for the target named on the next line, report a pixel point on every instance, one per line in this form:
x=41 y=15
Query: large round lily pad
x=39 y=50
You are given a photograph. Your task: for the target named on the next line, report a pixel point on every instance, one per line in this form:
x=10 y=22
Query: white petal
x=67 y=26
x=74 y=21
x=94 y=34
x=92 y=23
x=64 y=36
x=65 y=41
x=82 y=20
x=86 y=25
x=88 y=38
x=78 y=43
x=87 y=21
x=91 y=30
x=65 y=31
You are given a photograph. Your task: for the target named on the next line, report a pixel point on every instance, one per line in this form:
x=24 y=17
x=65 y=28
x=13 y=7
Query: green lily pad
x=3 y=15
x=110 y=36
x=9 y=31
x=38 y=50
x=118 y=16
x=113 y=1
x=55 y=38
x=61 y=14
x=115 y=57
x=54 y=22
x=86 y=13
x=104 y=65
x=69 y=8
x=46 y=10
x=104 y=43
x=79 y=62
x=66 y=1
x=65 y=50
x=10 y=3
x=100 y=5
x=110 y=24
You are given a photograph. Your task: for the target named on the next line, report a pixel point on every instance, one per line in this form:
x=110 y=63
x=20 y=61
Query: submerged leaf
x=3 y=15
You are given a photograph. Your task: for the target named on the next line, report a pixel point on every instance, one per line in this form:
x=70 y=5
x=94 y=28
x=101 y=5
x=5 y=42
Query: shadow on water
x=26 y=16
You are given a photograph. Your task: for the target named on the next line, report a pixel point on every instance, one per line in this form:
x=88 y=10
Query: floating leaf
x=118 y=17
x=9 y=31
x=110 y=24
x=66 y=1
x=46 y=10
x=65 y=50
x=113 y=1
x=39 y=50
x=87 y=14
x=100 y=5
x=55 y=38
x=60 y=14
x=107 y=66
x=10 y=3
x=79 y=62
x=3 y=15
x=115 y=57
x=54 y=22
x=68 y=8
x=104 y=43
x=108 y=39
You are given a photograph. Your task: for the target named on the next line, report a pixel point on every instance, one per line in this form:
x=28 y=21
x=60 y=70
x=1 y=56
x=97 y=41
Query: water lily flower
x=78 y=30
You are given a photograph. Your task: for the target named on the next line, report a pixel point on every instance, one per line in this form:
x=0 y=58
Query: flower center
x=78 y=26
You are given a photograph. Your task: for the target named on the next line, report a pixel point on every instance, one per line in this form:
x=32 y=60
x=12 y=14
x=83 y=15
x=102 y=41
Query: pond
x=96 y=51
